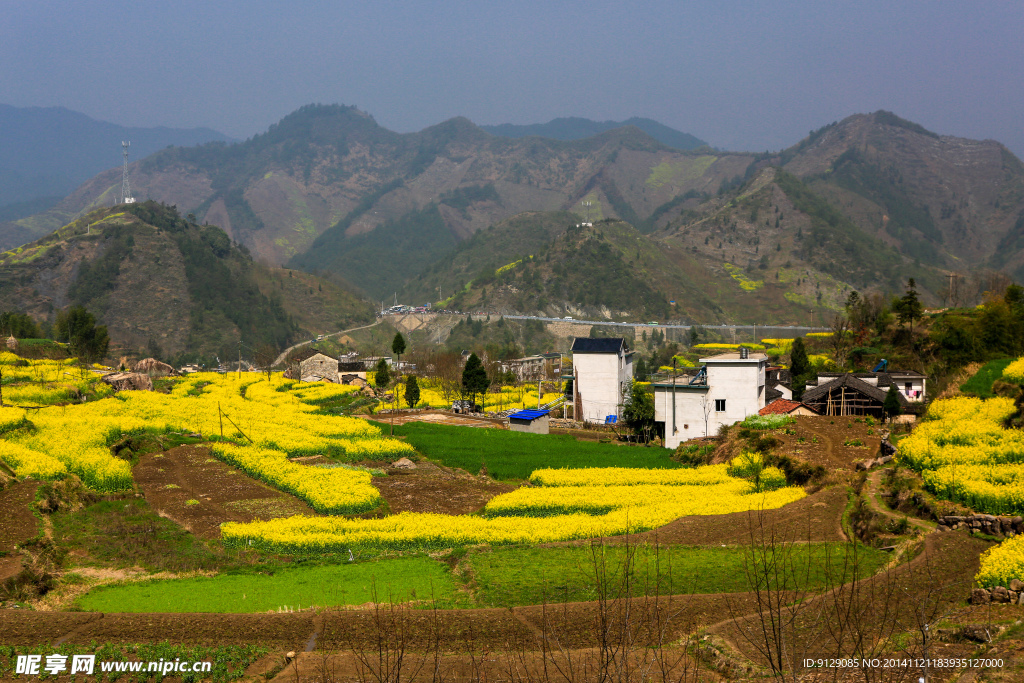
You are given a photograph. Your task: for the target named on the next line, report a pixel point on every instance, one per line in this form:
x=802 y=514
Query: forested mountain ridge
x=167 y=286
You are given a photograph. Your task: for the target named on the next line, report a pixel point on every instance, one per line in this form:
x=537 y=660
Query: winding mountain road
x=284 y=354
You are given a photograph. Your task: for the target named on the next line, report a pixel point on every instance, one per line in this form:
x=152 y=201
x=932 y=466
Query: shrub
x=766 y=422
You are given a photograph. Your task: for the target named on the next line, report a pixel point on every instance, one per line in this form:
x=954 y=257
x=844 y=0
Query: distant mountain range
x=483 y=221
x=576 y=128
x=46 y=152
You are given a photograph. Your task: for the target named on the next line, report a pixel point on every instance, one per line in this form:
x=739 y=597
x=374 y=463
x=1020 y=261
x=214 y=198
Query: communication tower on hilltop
x=126 y=192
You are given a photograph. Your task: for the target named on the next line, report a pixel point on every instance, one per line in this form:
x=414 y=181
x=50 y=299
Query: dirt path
x=284 y=354
x=874 y=484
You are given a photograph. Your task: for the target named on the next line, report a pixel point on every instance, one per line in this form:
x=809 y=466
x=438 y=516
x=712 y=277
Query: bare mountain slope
x=333 y=169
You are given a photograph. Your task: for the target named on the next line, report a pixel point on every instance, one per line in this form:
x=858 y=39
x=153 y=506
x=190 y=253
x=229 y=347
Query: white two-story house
x=602 y=370
x=726 y=389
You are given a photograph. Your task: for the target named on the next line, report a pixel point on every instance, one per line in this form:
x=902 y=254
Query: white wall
x=741 y=383
x=599 y=380
x=917 y=385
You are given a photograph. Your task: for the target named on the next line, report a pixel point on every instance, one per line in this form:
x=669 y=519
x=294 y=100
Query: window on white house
x=719 y=405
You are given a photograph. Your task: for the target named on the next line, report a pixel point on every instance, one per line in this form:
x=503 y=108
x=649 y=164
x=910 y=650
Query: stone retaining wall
x=1014 y=594
x=986 y=524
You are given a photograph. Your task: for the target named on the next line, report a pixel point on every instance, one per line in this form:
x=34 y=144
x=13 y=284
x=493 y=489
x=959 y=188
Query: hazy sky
x=741 y=75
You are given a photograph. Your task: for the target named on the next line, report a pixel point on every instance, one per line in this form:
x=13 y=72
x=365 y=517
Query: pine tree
x=412 y=391
x=909 y=308
x=398 y=346
x=381 y=375
x=474 y=377
x=892 y=406
x=799 y=367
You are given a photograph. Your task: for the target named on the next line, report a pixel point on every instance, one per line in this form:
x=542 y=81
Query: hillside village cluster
x=595 y=377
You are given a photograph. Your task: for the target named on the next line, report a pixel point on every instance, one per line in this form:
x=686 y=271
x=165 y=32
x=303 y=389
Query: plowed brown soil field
x=190 y=486
x=17 y=524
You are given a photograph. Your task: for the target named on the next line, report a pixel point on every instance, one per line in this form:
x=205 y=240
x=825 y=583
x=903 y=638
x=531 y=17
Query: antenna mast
x=126 y=192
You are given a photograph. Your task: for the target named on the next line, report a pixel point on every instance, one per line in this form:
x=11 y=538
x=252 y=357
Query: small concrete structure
x=532 y=421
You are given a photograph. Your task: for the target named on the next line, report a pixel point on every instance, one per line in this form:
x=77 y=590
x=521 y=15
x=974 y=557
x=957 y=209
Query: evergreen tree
x=474 y=377
x=799 y=367
x=398 y=347
x=640 y=372
x=908 y=307
x=381 y=375
x=87 y=340
x=892 y=407
x=412 y=391
x=638 y=411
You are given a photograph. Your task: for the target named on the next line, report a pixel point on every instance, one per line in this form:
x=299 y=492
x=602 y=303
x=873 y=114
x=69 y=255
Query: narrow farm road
x=284 y=354
x=874 y=488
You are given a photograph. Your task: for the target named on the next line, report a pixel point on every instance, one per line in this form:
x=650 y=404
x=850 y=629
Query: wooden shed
x=848 y=395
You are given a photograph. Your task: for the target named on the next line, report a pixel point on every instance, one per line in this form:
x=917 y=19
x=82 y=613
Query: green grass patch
x=515 y=455
x=568 y=574
x=355 y=583
x=129 y=533
x=980 y=384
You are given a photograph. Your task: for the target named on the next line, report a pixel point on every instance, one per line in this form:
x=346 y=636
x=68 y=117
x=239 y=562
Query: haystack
x=153 y=368
x=129 y=381
x=12 y=344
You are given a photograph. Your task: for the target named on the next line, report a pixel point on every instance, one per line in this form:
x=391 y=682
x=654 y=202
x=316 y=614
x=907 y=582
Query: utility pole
x=675 y=430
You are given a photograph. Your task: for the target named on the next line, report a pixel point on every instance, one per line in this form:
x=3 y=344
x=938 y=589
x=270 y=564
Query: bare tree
x=265 y=356
x=778 y=577
x=841 y=341
x=706 y=406
x=448 y=374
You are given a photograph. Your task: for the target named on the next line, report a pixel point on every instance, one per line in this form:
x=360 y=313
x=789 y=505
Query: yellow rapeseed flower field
x=1014 y=372
x=527 y=515
x=265 y=416
x=1002 y=563
x=964 y=453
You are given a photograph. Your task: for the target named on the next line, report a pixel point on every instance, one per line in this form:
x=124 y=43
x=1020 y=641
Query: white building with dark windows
x=724 y=390
x=602 y=370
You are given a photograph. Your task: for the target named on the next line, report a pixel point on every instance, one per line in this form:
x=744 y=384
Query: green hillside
x=163 y=284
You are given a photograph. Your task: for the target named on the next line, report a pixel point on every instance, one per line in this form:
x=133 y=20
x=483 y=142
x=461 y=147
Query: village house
x=533 y=368
x=724 y=390
x=778 y=380
x=785 y=406
x=602 y=372
x=910 y=384
x=848 y=394
x=314 y=366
